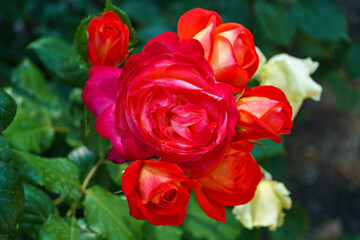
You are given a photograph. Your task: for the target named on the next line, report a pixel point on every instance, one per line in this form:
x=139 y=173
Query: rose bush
x=231 y=182
x=165 y=103
x=108 y=40
x=264 y=113
x=157 y=191
x=229 y=47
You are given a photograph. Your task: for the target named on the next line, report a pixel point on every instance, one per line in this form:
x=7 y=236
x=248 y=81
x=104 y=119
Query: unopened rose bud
x=266 y=208
x=108 y=40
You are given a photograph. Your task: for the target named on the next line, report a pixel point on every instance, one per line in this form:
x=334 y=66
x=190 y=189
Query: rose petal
x=213 y=209
x=253 y=128
x=117 y=51
x=129 y=180
x=127 y=146
x=100 y=90
x=93 y=58
x=195 y=20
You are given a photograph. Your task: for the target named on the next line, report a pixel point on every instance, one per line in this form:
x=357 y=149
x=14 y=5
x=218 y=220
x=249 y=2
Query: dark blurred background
x=320 y=164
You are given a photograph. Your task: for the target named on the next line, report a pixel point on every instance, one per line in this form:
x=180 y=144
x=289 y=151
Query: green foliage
x=92 y=139
x=353 y=60
x=30 y=80
x=347 y=96
x=295 y=225
x=81 y=38
x=202 y=227
x=31 y=130
x=108 y=215
x=267 y=148
x=83 y=159
x=7 y=109
x=116 y=171
x=162 y=232
x=56 y=228
x=4 y=149
x=61 y=59
x=58 y=175
x=38 y=207
x=320 y=19
x=11 y=198
x=276 y=21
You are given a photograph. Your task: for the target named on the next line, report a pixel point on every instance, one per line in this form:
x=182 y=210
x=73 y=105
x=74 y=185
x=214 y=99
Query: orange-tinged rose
x=264 y=113
x=230 y=183
x=108 y=40
x=157 y=191
x=229 y=47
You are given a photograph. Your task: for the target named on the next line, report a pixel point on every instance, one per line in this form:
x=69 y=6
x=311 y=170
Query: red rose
x=168 y=105
x=108 y=40
x=229 y=47
x=157 y=191
x=232 y=182
x=264 y=113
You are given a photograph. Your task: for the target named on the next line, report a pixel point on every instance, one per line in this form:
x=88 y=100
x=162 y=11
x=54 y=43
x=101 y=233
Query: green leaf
x=351 y=237
x=108 y=215
x=38 y=207
x=346 y=96
x=11 y=198
x=83 y=159
x=241 y=15
x=124 y=18
x=81 y=38
x=203 y=227
x=320 y=19
x=61 y=59
x=7 y=109
x=56 y=228
x=4 y=149
x=93 y=141
x=268 y=149
x=353 y=60
x=58 y=175
x=295 y=225
x=31 y=81
x=276 y=21
x=31 y=130
x=171 y=232
x=116 y=171
x=315 y=48
x=153 y=232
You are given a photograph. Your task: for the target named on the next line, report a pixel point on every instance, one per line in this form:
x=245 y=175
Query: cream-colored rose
x=292 y=76
x=266 y=208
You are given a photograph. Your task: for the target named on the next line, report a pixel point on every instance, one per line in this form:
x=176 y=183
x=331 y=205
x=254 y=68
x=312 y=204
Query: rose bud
x=157 y=191
x=264 y=113
x=229 y=47
x=266 y=209
x=108 y=40
x=232 y=182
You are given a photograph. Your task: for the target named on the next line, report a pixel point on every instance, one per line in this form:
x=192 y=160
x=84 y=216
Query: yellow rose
x=266 y=208
x=292 y=76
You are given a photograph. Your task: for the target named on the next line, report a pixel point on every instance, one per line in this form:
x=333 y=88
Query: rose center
x=169 y=195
